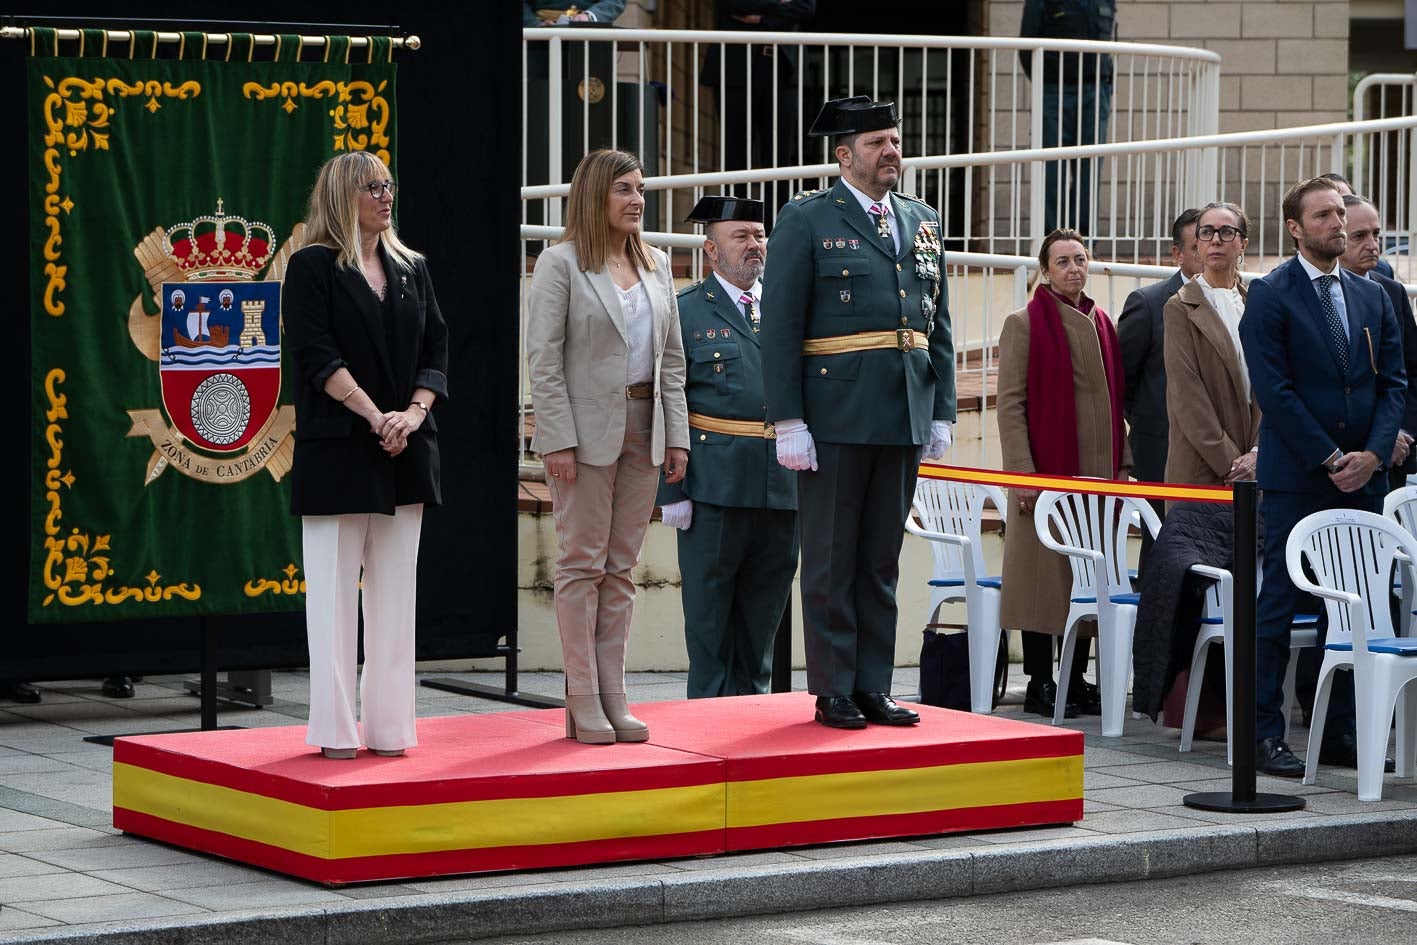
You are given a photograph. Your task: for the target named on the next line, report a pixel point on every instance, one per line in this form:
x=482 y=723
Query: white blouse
x=1229 y=304
x=639 y=325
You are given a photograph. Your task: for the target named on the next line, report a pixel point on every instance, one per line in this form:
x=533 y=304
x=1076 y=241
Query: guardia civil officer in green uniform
x=859 y=370
x=736 y=510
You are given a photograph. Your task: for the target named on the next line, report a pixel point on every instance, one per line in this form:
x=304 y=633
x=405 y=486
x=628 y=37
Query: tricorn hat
x=716 y=208
x=854 y=115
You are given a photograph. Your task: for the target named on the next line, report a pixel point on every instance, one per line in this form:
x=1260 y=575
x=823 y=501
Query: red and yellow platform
x=507 y=791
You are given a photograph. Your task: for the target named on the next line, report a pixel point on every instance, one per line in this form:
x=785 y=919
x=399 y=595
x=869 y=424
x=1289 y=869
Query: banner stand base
x=1227 y=803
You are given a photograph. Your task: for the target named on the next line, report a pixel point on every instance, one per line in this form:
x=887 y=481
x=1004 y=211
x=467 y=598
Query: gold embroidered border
x=291 y=584
x=76 y=566
x=360 y=116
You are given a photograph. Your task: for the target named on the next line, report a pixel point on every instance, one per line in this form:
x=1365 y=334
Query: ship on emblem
x=220 y=366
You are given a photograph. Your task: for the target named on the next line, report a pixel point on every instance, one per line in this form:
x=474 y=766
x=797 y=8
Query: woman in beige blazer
x=1215 y=422
x=1059 y=412
x=606 y=364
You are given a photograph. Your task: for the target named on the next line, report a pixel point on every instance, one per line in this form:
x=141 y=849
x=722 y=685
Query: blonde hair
x=332 y=217
x=586 y=223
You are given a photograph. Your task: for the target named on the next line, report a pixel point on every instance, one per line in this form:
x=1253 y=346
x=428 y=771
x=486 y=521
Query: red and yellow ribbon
x=1092 y=486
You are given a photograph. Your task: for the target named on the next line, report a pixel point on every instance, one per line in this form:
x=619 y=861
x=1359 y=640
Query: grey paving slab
x=16 y=920
x=1148 y=795
x=58 y=838
x=734 y=861
x=13 y=864
x=26 y=763
x=117 y=908
x=838 y=851
x=1036 y=834
x=190 y=872
x=132 y=852
x=1221 y=817
x=1100 y=757
x=1164 y=772
x=954 y=841
x=1135 y=821
x=264 y=894
x=14 y=821
x=1095 y=780
x=45 y=886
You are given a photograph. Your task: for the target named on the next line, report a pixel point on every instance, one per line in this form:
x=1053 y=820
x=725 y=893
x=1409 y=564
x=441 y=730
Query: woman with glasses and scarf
x=370 y=354
x=1059 y=413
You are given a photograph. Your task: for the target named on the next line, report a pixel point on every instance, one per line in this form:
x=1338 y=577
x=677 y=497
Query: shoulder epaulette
x=808 y=193
x=690 y=289
x=901 y=193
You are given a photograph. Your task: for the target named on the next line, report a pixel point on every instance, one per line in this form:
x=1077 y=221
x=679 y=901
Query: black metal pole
x=1242 y=797
x=211 y=628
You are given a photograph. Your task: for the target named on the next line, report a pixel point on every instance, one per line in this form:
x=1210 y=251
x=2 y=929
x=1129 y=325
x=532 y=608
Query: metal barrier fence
x=1250 y=168
x=1383 y=168
x=694 y=102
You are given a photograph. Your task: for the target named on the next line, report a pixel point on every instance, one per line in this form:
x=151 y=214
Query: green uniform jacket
x=829 y=273
x=725 y=380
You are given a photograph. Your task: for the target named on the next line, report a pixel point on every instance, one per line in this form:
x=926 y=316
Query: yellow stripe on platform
x=1019 y=480
x=423 y=828
x=903 y=791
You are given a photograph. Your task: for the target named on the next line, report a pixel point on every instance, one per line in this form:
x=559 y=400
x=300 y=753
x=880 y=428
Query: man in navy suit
x=1325 y=359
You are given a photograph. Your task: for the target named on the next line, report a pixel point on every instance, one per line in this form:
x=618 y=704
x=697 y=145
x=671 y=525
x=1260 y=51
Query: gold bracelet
x=350 y=394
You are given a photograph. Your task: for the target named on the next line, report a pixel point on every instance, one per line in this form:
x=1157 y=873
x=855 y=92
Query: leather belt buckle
x=904 y=339
x=641 y=391
x=769 y=431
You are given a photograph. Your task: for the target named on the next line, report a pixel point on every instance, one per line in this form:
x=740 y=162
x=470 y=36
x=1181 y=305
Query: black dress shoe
x=1341 y=751
x=839 y=712
x=118 y=687
x=1086 y=696
x=1040 y=697
x=1273 y=757
x=19 y=692
x=880 y=708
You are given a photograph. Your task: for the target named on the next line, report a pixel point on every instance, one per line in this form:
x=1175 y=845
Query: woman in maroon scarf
x=1059 y=412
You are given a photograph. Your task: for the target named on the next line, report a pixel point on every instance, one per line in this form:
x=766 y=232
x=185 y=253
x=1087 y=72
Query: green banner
x=166 y=196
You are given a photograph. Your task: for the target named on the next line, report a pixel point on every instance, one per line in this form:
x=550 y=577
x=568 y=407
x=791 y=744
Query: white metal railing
x=1383 y=168
x=691 y=102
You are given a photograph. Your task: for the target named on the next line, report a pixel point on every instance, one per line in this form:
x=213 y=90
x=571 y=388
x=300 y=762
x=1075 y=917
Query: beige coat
x=1213 y=416
x=577 y=346
x=1036 y=580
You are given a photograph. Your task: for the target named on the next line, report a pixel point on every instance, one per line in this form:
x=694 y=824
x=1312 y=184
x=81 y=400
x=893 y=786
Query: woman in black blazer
x=370 y=351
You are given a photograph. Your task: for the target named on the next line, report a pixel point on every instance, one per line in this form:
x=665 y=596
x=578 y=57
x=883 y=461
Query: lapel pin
x=846 y=295
x=712 y=334
x=840 y=243
x=827 y=243
x=854 y=244
x=710 y=296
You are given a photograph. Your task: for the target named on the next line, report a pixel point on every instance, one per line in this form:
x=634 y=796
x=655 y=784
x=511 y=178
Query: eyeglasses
x=1223 y=233
x=380 y=187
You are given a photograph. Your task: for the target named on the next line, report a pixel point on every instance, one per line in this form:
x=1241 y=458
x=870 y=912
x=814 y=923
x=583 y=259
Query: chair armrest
x=914 y=529
x=1215 y=574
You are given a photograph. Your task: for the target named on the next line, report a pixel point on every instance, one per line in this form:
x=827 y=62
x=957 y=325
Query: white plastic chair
x=1217 y=626
x=1400 y=505
x=1092 y=531
x=950 y=520
x=1352 y=555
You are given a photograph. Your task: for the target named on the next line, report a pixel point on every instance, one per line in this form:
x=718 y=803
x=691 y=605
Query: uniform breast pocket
x=839 y=280
x=717 y=364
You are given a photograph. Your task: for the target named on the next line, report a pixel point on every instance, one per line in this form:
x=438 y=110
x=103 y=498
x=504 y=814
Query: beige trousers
x=336 y=548
x=600 y=525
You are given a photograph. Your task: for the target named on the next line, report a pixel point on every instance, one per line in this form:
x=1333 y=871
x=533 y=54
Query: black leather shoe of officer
x=118 y=687
x=1040 y=697
x=1086 y=696
x=19 y=692
x=1341 y=751
x=1273 y=757
x=880 y=708
x=839 y=712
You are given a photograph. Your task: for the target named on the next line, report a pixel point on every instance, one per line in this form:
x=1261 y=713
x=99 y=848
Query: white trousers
x=336 y=547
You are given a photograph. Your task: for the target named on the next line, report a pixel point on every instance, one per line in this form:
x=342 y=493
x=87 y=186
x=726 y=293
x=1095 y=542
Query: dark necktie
x=883 y=228
x=1335 y=323
x=750 y=309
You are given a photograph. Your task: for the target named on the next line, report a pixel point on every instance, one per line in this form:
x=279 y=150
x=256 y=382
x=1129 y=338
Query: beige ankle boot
x=586 y=722
x=627 y=727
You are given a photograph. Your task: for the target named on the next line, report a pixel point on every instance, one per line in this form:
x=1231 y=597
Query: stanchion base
x=1225 y=802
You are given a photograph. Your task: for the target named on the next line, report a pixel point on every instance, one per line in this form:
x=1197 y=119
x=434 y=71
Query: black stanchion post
x=1242 y=797
x=211 y=630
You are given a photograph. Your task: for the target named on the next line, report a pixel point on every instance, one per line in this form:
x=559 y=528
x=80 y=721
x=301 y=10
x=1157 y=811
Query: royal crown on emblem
x=220 y=247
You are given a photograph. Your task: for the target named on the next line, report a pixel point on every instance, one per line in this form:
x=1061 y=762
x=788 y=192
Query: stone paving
x=67 y=876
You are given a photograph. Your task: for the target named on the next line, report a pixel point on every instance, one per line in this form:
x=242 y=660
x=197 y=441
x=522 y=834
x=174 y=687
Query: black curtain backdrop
x=459 y=155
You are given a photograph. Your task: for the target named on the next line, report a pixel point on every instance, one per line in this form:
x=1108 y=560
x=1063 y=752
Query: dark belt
x=641 y=391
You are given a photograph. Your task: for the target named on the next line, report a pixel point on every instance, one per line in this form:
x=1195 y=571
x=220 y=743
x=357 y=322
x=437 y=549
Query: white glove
x=942 y=437
x=677 y=514
x=795 y=449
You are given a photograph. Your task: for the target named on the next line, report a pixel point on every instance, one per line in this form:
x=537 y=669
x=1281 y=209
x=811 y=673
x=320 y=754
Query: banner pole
x=1242 y=797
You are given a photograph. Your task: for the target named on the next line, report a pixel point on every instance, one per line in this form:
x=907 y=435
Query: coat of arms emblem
x=216 y=341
